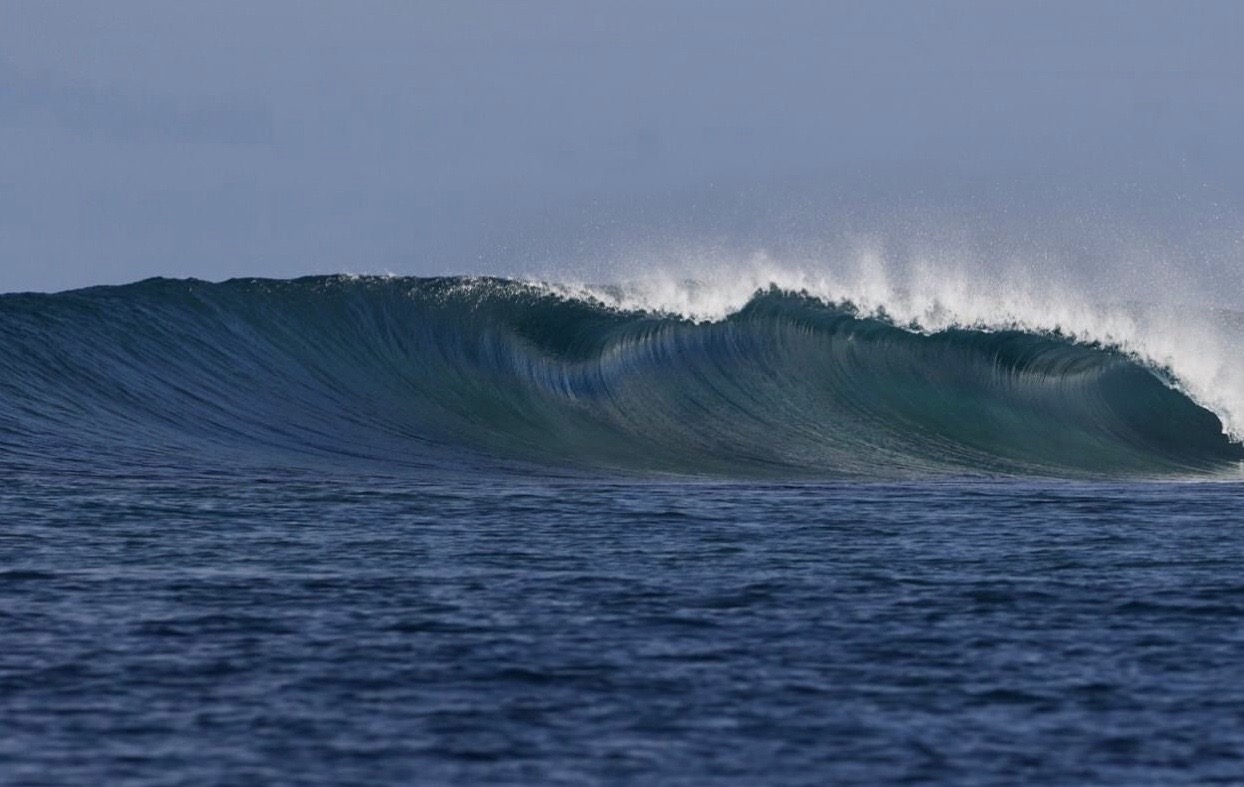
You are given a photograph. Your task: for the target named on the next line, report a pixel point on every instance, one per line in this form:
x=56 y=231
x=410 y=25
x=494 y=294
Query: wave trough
x=454 y=372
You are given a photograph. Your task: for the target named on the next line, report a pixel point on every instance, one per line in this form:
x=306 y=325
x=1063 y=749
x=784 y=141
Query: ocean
x=382 y=530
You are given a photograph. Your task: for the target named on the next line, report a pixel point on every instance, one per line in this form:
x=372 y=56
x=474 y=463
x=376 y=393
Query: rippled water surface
x=238 y=626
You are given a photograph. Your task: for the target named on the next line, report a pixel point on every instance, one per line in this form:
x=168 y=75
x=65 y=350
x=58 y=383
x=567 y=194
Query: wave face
x=456 y=372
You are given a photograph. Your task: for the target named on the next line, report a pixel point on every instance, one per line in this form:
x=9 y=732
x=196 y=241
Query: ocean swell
x=456 y=372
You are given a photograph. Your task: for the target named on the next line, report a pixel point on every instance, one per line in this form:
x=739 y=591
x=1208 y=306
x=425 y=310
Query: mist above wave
x=1157 y=312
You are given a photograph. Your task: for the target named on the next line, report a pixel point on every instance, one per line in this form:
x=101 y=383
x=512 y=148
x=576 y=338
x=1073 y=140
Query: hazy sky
x=218 y=139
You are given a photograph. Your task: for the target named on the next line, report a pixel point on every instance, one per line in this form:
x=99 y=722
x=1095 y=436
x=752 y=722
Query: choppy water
x=230 y=628
x=371 y=532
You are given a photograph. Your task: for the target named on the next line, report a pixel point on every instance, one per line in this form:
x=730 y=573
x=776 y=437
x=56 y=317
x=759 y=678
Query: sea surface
x=463 y=531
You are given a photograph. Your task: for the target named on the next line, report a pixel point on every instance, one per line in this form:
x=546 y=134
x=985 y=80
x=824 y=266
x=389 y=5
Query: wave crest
x=437 y=372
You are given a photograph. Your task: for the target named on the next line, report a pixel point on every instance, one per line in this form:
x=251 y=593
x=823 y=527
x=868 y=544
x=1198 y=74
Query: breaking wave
x=776 y=380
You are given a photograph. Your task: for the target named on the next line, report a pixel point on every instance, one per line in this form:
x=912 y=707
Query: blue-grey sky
x=142 y=137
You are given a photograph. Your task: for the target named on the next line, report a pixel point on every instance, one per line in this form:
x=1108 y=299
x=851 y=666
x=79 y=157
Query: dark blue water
x=231 y=628
x=329 y=537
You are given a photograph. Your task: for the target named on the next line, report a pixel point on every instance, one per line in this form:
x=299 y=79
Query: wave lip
x=480 y=371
